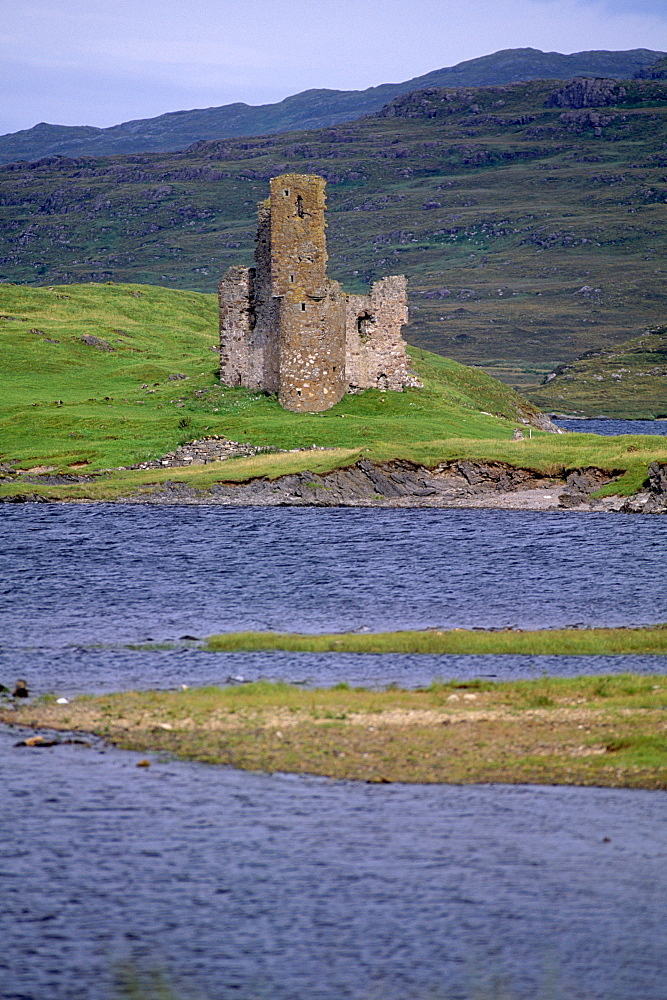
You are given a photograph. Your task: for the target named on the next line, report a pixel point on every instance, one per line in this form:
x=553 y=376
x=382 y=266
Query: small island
x=600 y=730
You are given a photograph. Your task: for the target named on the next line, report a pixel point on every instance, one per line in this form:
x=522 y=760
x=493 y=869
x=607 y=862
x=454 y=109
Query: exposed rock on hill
x=657 y=71
x=587 y=93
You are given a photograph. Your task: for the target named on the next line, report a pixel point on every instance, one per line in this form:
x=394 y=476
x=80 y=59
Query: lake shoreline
x=460 y=484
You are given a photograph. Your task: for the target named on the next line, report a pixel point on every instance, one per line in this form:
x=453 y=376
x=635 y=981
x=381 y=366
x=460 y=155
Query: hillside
x=627 y=380
x=530 y=231
x=109 y=375
x=97 y=377
x=312 y=108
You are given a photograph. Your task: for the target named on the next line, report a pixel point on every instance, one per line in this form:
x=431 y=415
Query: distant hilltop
x=315 y=108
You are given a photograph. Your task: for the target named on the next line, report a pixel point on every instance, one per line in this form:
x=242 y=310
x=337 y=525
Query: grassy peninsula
x=627 y=380
x=101 y=376
x=609 y=731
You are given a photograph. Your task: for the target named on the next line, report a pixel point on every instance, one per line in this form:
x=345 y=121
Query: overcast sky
x=80 y=62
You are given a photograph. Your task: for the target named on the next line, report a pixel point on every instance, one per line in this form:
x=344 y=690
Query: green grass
x=608 y=731
x=66 y=403
x=551 y=642
x=627 y=380
x=69 y=403
x=71 y=407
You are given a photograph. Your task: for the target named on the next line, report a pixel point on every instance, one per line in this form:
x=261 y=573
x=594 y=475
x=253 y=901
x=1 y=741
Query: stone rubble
x=214 y=449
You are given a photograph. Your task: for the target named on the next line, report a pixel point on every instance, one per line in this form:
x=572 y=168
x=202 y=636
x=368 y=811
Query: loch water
x=607 y=426
x=275 y=886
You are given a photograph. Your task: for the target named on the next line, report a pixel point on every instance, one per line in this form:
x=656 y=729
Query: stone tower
x=286 y=327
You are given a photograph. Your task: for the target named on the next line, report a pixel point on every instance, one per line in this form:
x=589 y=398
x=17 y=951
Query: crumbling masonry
x=287 y=328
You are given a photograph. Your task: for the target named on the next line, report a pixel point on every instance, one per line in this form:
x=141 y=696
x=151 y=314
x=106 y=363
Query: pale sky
x=81 y=62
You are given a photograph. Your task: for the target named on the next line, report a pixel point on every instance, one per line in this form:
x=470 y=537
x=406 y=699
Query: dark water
x=607 y=425
x=79 y=670
x=110 y=574
x=242 y=885
x=257 y=886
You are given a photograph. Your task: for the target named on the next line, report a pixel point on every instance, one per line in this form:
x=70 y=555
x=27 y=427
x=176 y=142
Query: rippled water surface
x=257 y=886
x=80 y=670
x=106 y=573
x=607 y=425
x=278 y=887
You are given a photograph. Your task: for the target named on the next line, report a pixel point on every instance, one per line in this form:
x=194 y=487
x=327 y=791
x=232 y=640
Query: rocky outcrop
x=586 y=92
x=25 y=498
x=101 y=345
x=581 y=483
x=404 y=484
x=652 y=500
x=535 y=418
x=399 y=483
x=658 y=71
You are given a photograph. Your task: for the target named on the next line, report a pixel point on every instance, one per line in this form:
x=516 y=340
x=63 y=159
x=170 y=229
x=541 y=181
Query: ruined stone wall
x=285 y=327
x=298 y=243
x=311 y=366
x=312 y=351
x=375 y=349
x=266 y=307
x=235 y=298
x=358 y=322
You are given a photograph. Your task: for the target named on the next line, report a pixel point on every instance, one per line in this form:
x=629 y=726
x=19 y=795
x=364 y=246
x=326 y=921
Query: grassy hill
x=110 y=375
x=312 y=108
x=96 y=377
x=530 y=233
x=627 y=380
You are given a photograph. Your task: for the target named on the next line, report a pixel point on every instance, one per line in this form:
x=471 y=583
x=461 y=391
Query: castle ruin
x=289 y=329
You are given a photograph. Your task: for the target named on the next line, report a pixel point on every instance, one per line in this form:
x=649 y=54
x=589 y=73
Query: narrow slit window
x=299 y=206
x=287 y=192
x=303 y=307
